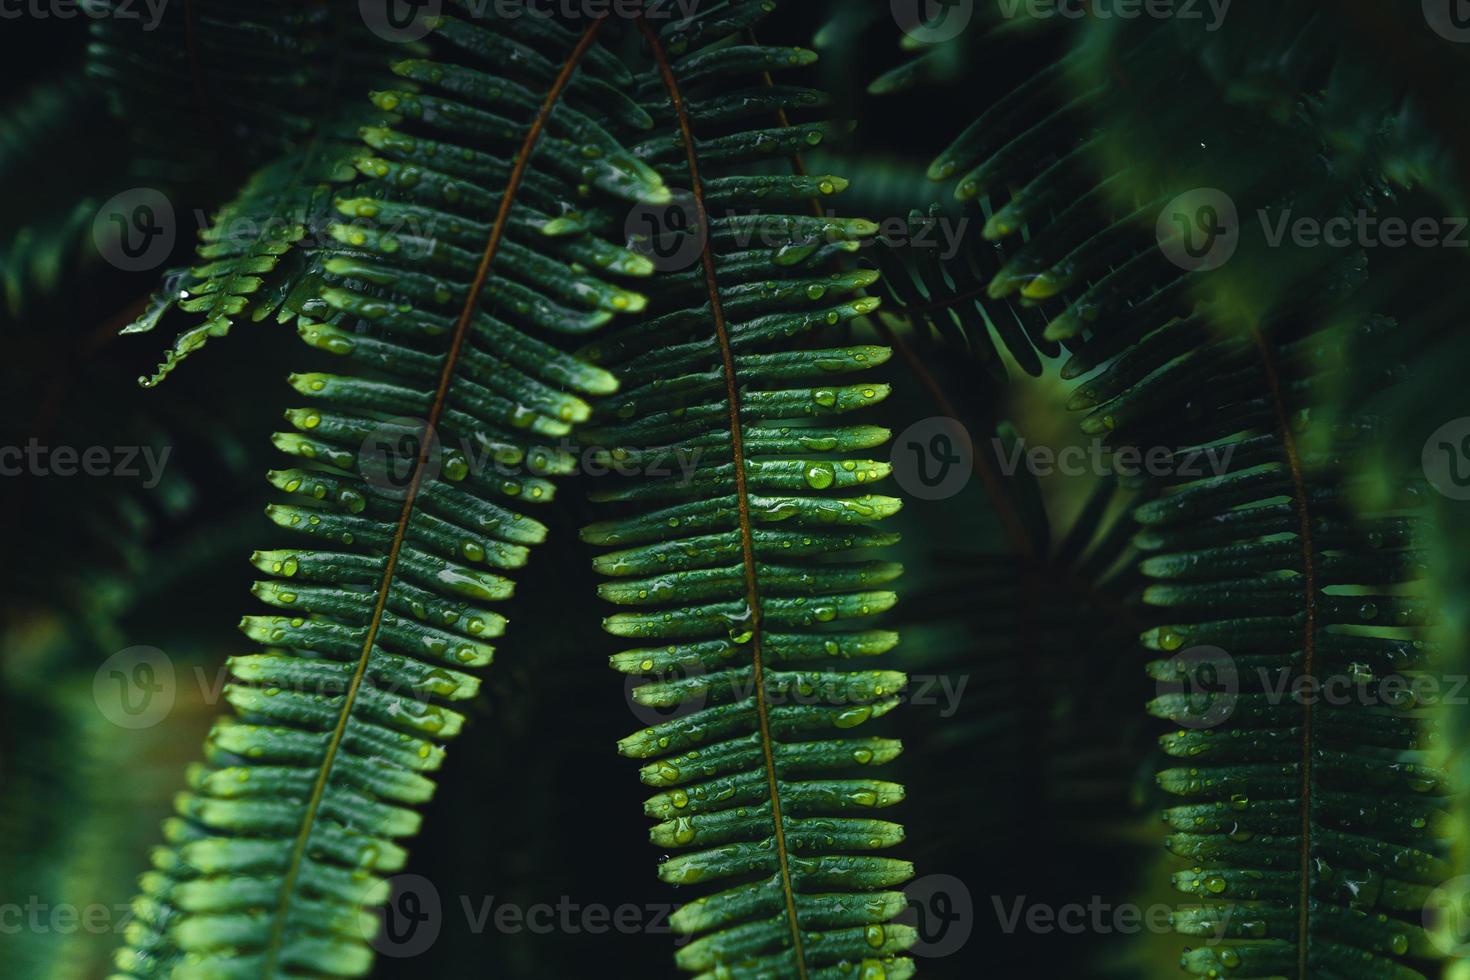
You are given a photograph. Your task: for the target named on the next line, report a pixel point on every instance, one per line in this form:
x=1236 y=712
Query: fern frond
x=274 y=90
x=746 y=580
x=1314 y=827
x=262 y=251
x=1290 y=805
x=278 y=854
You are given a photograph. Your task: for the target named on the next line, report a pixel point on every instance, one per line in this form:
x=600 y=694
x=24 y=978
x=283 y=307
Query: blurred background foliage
x=1040 y=783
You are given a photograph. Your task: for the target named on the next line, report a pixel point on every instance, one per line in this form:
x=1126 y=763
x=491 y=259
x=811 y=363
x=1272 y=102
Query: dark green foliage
x=747 y=570
x=274 y=94
x=1315 y=832
x=281 y=843
x=46 y=239
x=379 y=198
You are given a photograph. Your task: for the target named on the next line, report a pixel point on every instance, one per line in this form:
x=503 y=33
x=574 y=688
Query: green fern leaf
x=743 y=581
x=295 y=132
x=281 y=844
x=1315 y=831
x=252 y=251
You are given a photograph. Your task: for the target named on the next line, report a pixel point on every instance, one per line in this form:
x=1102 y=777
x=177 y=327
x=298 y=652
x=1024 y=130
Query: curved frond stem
x=436 y=411
x=1309 y=574
x=737 y=448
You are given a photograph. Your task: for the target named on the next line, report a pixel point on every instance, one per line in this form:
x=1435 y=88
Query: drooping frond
x=273 y=90
x=408 y=473
x=1314 y=825
x=1024 y=669
x=262 y=252
x=748 y=581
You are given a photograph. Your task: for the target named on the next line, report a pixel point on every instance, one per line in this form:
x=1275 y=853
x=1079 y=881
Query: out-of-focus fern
x=46 y=238
x=276 y=858
x=747 y=579
x=1316 y=829
x=1303 y=872
x=1025 y=661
